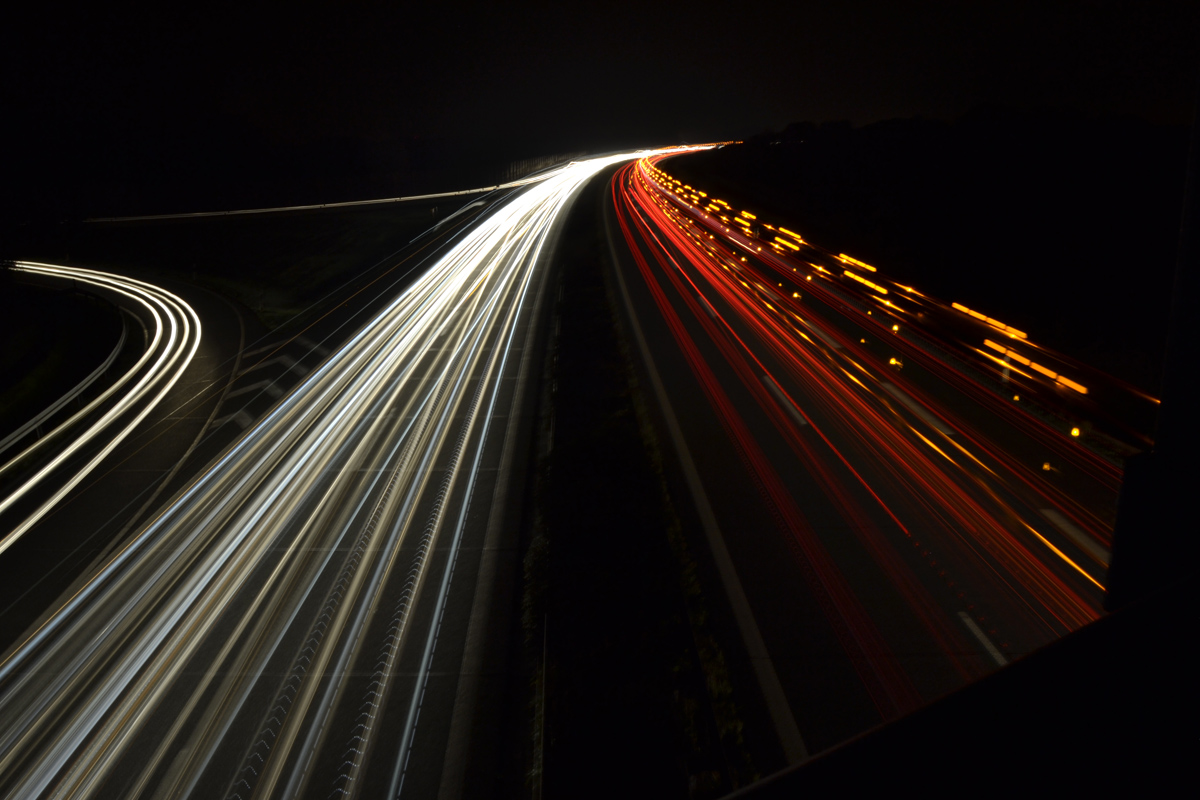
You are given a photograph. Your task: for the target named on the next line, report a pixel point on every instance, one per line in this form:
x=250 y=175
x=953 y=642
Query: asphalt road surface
x=70 y=493
x=891 y=513
x=889 y=521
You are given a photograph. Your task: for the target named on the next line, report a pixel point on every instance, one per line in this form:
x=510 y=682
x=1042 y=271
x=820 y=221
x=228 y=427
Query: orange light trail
x=913 y=477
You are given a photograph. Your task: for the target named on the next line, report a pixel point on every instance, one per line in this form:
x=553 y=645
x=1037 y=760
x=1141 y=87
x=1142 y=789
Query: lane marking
x=1076 y=535
x=978 y=633
x=319 y=349
x=265 y=385
x=918 y=409
x=783 y=400
x=820 y=334
x=777 y=703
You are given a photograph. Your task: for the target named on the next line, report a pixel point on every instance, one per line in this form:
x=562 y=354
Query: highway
x=254 y=636
x=901 y=494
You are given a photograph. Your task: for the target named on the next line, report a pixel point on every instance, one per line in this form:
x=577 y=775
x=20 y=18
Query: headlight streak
x=170 y=360
x=185 y=618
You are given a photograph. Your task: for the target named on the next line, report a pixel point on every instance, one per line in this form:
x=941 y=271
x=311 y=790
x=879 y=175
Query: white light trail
x=333 y=497
x=173 y=343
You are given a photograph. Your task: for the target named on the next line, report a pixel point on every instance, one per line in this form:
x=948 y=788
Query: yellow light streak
x=934 y=446
x=1060 y=553
x=865 y=282
x=1003 y=364
x=856 y=262
x=1070 y=384
x=995 y=323
x=1049 y=373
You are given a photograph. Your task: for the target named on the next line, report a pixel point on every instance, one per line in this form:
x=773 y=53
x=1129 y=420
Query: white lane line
x=978 y=633
x=820 y=334
x=783 y=400
x=1072 y=532
x=707 y=306
x=918 y=409
x=778 y=706
x=175 y=327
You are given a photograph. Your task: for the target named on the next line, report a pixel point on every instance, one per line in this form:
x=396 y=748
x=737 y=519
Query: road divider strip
x=1076 y=535
x=918 y=409
x=978 y=633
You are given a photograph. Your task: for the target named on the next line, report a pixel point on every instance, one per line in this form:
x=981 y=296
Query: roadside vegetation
x=626 y=690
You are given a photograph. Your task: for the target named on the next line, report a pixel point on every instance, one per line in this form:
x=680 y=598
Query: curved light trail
x=96 y=429
x=249 y=641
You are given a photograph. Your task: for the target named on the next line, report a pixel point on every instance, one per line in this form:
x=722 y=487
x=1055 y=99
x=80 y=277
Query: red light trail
x=955 y=521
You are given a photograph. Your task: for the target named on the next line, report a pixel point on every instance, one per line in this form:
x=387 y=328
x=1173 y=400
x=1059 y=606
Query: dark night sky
x=177 y=92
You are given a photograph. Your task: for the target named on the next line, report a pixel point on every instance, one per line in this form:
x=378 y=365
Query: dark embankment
x=625 y=691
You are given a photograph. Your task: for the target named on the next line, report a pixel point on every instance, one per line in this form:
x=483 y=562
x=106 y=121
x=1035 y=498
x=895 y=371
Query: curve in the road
x=70 y=452
x=251 y=638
